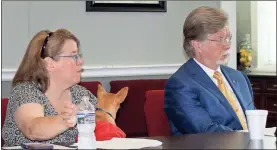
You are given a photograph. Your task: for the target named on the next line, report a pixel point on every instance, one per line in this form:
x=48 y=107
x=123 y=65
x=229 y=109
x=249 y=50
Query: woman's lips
x=81 y=70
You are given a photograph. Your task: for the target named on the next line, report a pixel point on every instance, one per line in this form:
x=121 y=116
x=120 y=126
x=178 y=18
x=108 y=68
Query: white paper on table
x=268 y=131
x=127 y=143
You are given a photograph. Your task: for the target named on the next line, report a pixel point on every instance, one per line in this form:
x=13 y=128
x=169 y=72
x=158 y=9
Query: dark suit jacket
x=194 y=104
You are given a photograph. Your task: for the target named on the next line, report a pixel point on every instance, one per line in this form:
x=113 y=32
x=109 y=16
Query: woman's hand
x=69 y=114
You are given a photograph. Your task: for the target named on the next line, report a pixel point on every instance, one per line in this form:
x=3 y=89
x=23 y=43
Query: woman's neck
x=57 y=95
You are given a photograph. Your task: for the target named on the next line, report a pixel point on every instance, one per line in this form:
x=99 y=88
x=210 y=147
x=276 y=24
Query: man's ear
x=196 y=45
x=49 y=64
x=100 y=90
x=122 y=94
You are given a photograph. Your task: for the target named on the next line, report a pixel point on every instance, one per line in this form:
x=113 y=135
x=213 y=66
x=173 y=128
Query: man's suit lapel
x=202 y=78
x=231 y=78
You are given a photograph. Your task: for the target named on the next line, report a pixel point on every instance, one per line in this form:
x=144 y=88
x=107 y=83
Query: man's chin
x=224 y=61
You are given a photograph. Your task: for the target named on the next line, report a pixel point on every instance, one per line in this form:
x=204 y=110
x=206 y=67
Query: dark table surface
x=224 y=140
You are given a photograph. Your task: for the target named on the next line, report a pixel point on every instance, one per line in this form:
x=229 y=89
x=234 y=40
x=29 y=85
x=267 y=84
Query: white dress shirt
x=210 y=73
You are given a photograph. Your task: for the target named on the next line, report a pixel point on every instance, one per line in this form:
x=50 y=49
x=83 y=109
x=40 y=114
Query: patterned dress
x=29 y=92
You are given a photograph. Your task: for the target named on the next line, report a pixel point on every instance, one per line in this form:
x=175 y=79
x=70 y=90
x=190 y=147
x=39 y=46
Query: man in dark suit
x=203 y=95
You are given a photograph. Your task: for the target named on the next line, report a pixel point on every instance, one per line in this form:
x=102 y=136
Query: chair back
x=131 y=117
x=4 y=104
x=92 y=86
x=156 y=119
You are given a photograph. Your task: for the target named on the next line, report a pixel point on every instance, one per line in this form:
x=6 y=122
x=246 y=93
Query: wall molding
x=113 y=71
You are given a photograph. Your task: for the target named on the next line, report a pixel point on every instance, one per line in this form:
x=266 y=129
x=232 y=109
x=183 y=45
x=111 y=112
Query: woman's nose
x=80 y=61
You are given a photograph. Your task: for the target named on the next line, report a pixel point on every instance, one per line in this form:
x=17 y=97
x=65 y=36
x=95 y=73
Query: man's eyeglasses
x=222 y=40
x=75 y=57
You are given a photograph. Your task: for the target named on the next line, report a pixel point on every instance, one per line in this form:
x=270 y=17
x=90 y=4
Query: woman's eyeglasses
x=75 y=57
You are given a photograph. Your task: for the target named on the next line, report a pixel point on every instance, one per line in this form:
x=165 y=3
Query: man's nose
x=227 y=46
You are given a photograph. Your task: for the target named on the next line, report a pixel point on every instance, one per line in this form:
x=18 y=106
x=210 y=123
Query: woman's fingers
x=66 y=116
x=69 y=120
x=75 y=110
x=69 y=107
x=69 y=114
x=68 y=111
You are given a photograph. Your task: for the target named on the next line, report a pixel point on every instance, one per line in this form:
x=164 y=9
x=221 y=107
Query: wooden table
x=224 y=140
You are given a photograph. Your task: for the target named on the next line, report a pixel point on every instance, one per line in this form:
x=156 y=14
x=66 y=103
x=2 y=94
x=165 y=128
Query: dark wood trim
x=262 y=76
x=265 y=96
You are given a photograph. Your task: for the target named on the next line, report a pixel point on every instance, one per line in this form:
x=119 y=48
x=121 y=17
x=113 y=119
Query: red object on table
x=106 y=131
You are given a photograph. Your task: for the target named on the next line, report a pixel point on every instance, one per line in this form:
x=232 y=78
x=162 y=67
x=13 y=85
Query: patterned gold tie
x=229 y=97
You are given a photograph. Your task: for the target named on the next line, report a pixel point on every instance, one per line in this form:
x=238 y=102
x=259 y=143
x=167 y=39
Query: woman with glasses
x=204 y=95
x=45 y=91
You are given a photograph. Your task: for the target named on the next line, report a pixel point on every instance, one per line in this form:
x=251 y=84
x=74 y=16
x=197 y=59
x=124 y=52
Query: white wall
x=247 y=22
x=131 y=38
x=243 y=20
x=230 y=8
x=107 y=38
